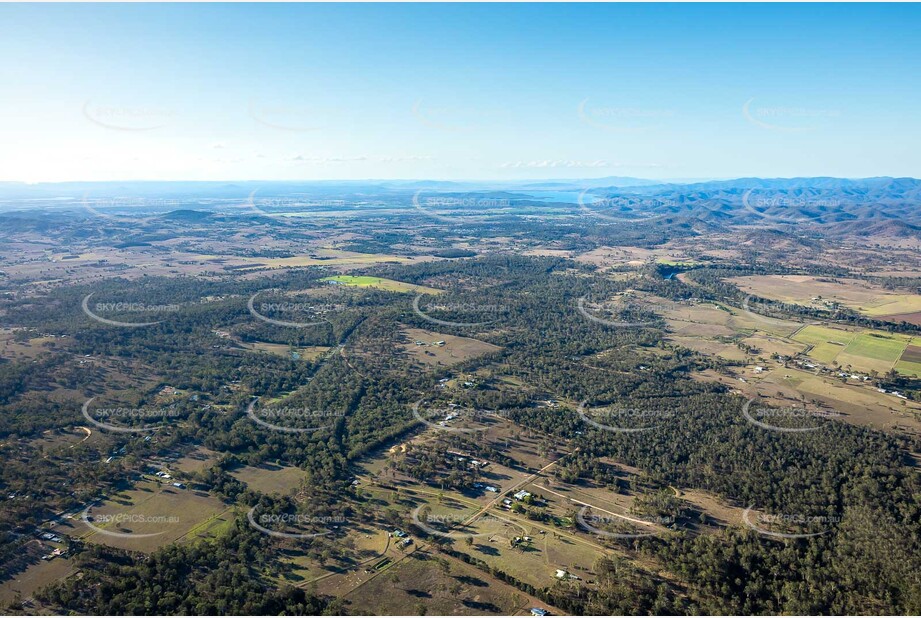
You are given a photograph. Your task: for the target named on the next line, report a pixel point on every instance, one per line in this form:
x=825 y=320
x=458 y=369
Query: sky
x=484 y=91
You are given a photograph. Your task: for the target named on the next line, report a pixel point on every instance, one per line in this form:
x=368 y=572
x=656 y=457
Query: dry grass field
x=455 y=349
x=269 y=478
x=164 y=512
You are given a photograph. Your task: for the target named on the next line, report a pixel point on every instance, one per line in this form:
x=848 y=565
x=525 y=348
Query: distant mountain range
x=895 y=202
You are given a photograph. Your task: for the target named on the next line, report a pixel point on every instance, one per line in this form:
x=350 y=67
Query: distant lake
x=566 y=197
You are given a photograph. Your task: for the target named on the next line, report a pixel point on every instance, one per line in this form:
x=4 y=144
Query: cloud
x=566 y=163
x=548 y=163
x=326 y=160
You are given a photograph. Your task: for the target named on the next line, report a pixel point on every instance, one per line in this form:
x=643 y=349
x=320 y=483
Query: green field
x=390 y=285
x=877 y=346
x=863 y=351
x=827 y=342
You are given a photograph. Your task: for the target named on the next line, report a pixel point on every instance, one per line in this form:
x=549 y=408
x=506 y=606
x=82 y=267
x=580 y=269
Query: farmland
x=147 y=517
x=270 y=479
x=362 y=281
x=860 y=296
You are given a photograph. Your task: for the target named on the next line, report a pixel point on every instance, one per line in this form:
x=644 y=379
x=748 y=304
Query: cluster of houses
x=404 y=539
x=896 y=393
x=52 y=538
x=167 y=476
x=436 y=344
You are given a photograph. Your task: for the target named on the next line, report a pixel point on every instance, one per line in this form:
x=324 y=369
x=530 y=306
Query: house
x=538 y=611
x=398 y=534
x=494 y=490
x=179 y=485
x=439 y=343
x=561 y=574
x=521 y=495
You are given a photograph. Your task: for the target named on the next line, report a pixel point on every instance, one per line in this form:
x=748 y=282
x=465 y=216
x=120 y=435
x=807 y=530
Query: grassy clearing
x=150 y=508
x=865 y=298
x=270 y=479
x=389 y=285
x=455 y=589
x=861 y=350
x=877 y=346
x=283 y=350
x=23 y=585
x=455 y=349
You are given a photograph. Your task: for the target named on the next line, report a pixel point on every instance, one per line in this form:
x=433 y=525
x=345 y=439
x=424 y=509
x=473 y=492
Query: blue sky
x=221 y=92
